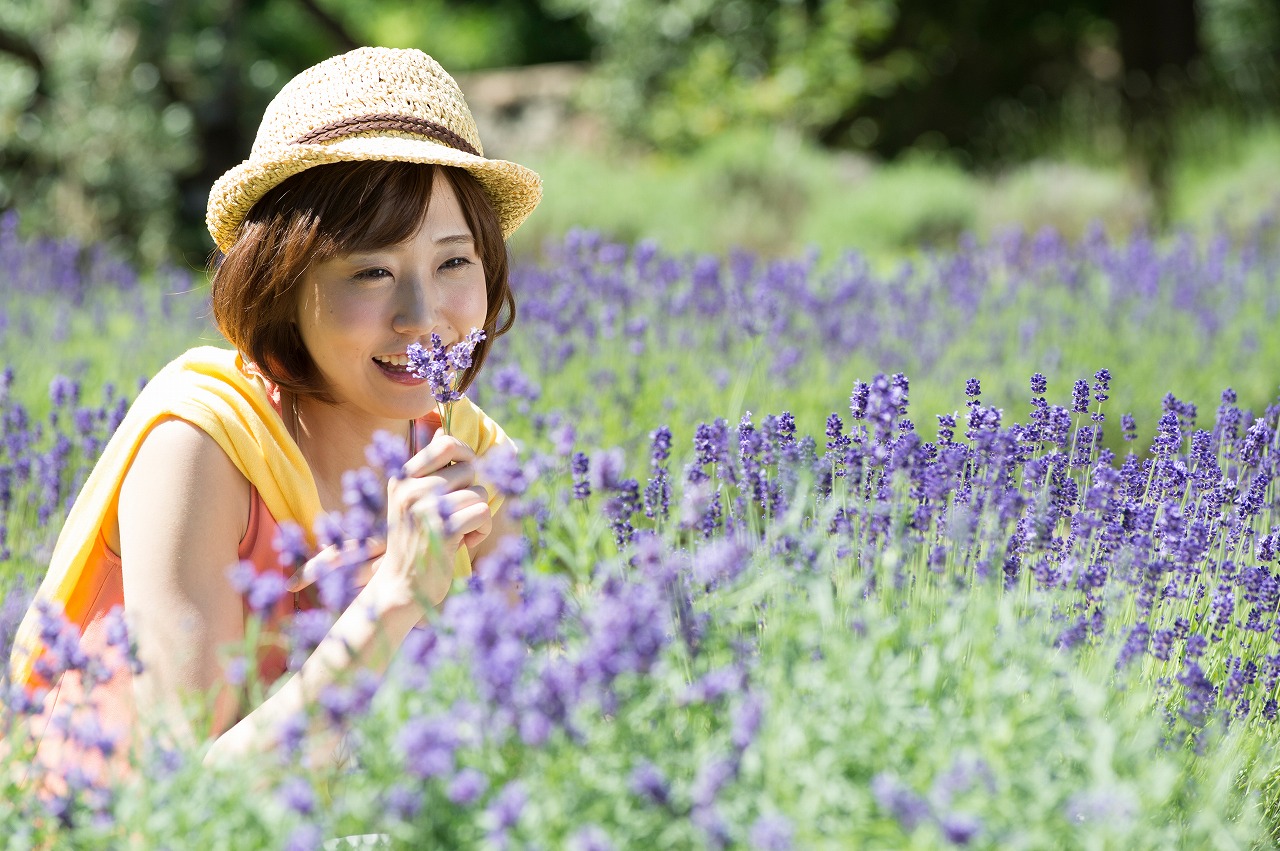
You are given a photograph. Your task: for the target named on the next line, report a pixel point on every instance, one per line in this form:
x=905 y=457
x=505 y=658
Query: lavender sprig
x=441 y=366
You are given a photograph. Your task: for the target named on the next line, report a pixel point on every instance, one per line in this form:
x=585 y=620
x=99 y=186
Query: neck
x=333 y=440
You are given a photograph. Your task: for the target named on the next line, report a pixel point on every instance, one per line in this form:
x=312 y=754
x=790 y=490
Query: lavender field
x=978 y=549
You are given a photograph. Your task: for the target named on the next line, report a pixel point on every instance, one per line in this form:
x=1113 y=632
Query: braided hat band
x=373 y=103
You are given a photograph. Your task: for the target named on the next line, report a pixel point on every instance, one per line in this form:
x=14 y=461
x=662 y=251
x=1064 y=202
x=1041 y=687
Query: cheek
x=329 y=325
x=469 y=305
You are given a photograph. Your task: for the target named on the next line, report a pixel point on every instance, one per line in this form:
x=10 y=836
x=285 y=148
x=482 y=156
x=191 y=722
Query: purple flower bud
x=507 y=805
x=713 y=777
x=305 y=837
x=746 y=720
x=580 y=467
x=403 y=802
x=1080 y=397
x=648 y=782
x=467 y=786
x=290 y=544
x=1101 y=384
x=960 y=828
x=899 y=800
x=606 y=470
x=591 y=838
x=267 y=590
x=428 y=745
x=387 y=454
x=297 y=794
x=771 y=833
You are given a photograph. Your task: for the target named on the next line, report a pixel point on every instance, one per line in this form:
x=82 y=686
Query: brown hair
x=324 y=212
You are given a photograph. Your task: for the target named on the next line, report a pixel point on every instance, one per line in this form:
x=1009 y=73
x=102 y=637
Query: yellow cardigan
x=212 y=389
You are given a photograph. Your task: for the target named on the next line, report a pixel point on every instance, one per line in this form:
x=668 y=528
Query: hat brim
x=513 y=189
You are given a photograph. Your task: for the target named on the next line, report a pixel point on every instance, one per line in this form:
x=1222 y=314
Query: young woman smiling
x=365 y=220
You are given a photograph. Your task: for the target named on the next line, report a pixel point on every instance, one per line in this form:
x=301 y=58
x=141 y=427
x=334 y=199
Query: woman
x=365 y=220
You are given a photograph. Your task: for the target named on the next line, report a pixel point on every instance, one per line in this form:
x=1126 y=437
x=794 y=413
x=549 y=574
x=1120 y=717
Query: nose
x=416 y=313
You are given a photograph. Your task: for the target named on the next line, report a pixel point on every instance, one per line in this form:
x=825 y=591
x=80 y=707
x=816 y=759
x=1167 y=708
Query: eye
x=376 y=273
x=456 y=263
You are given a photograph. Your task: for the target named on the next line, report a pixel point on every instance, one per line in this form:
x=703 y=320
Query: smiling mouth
x=400 y=373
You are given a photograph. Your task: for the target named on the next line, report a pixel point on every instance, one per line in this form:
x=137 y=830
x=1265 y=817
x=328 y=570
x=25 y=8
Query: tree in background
x=976 y=77
x=89 y=146
x=117 y=115
x=680 y=72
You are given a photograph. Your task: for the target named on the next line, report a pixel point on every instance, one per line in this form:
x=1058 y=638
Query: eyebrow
x=450 y=239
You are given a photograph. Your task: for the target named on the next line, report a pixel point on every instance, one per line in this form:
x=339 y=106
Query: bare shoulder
x=182 y=484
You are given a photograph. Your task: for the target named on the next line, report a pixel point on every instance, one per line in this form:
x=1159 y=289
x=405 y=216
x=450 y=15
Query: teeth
x=393 y=360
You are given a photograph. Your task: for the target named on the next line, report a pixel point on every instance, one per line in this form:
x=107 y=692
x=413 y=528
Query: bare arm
x=183 y=511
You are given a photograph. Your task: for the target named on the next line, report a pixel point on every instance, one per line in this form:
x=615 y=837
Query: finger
x=457 y=477
x=332 y=557
x=471 y=540
x=466 y=515
x=440 y=452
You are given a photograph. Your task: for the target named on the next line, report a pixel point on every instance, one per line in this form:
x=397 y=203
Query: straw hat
x=374 y=103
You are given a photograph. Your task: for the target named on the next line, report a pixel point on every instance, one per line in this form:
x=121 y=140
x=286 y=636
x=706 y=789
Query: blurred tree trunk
x=1159 y=40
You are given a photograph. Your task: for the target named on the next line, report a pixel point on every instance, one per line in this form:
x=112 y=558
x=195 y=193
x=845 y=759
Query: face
x=358 y=313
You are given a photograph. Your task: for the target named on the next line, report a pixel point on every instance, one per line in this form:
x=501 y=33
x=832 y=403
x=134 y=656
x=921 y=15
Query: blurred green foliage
x=90 y=144
x=780 y=195
x=117 y=115
x=682 y=72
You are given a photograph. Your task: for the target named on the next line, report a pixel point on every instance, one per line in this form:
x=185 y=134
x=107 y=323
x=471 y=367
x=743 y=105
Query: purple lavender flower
x=657 y=492
x=960 y=828
x=297 y=794
x=591 y=838
x=403 y=802
x=711 y=779
x=606 y=470
x=714 y=685
x=428 y=745
x=507 y=806
x=899 y=801
x=619 y=509
x=1101 y=385
x=1039 y=384
x=440 y=368
x=858 y=400
x=771 y=833
x=387 y=454
x=511 y=382
x=747 y=717
x=1135 y=645
x=501 y=468
x=1199 y=693
x=648 y=782
x=63 y=391
x=305 y=837
x=290 y=544
x=1080 y=397
x=1129 y=426
x=467 y=786
x=580 y=469
x=267 y=590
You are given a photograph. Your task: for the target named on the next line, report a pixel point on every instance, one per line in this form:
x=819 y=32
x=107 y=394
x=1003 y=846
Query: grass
x=782 y=196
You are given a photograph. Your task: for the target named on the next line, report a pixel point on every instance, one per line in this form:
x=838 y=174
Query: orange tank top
x=107 y=708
